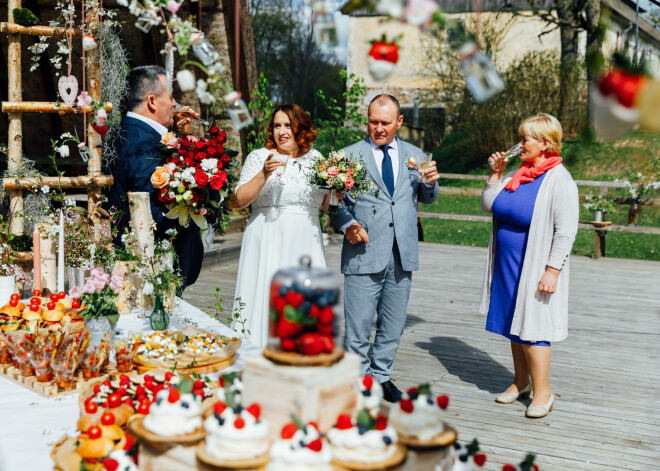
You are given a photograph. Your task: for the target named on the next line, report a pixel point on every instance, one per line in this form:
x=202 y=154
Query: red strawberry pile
x=302 y=319
x=407 y=400
x=526 y=465
x=466 y=453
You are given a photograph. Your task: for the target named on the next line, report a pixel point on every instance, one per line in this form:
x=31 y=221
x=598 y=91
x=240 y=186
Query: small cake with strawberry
x=229 y=383
x=234 y=433
x=370 y=394
x=418 y=418
x=300 y=448
x=174 y=413
x=365 y=440
x=464 y=458
x=383 y=56
x=526 y=465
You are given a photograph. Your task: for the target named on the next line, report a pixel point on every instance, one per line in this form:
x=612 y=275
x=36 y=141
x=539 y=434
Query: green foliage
x=261 y=108
x=24 y=17
x=344 y=122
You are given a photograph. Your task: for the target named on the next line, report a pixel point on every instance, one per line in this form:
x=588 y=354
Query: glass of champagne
x=183 y=114
x=512 y=153
x=279 y=171
x=423 y=162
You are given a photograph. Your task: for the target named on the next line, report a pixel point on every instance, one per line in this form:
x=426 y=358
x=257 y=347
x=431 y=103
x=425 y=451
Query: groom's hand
x=356 y=234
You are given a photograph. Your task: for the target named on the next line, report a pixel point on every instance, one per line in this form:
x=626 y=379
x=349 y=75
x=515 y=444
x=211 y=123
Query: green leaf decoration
x=24 y=17
x=364 y=419
x=185 y=386
x=299 y=423
x=473 y=447
x=527 y=464
x=424 y=389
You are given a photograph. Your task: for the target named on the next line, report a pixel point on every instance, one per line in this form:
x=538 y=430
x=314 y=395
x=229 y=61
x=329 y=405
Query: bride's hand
x=270 y=166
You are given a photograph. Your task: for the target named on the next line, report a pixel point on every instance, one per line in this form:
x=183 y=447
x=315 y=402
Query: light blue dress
x=513 y=211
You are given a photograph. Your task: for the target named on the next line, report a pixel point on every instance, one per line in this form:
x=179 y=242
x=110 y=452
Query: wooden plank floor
x=605 y=375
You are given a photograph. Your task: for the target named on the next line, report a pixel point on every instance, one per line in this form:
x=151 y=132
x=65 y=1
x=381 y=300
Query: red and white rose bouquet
x=196 y=178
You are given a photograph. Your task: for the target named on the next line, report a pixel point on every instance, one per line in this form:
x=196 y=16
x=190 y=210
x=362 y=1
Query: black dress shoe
x=390 y=392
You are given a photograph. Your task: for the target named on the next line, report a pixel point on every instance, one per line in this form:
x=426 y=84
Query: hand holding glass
x=279 y=171
x=512 y=153
x=424 y=162
x=180 y=113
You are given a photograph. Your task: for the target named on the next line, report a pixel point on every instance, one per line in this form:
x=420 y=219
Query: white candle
x=60 y=256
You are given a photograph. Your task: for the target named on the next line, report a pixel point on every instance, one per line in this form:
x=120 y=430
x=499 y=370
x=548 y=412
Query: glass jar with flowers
x=98 y=297
x=600 y=205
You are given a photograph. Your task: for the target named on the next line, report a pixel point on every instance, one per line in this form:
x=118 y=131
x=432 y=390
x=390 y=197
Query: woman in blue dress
x=535 y=216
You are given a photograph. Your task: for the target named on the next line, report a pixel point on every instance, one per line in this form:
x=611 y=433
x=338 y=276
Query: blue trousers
x=386 y=294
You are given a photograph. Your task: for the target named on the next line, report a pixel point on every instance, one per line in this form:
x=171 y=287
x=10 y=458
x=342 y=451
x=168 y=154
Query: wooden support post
x=15 y=135
x=48 y=260
x=599 y=243
x=142 y=224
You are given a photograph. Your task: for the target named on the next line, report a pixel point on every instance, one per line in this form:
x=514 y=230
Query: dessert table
x=30 y=424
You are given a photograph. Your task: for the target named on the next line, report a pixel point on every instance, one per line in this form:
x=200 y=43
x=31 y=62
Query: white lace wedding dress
x=284 y=226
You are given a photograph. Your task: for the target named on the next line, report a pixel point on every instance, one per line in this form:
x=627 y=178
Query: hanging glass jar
x=203 y=49
x=479 y=72
x=238 y=110
x=159 y=320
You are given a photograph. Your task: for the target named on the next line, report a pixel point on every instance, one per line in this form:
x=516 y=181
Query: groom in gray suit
x=380 y=244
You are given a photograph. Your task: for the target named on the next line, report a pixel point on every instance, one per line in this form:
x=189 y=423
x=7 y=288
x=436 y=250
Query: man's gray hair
x=141 y=82
x=383 y=99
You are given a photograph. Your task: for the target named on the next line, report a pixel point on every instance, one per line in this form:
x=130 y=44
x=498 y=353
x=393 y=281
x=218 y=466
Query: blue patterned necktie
x=388 y=174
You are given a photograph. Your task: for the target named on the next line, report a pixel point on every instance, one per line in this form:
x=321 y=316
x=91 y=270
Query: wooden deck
x=606 y=375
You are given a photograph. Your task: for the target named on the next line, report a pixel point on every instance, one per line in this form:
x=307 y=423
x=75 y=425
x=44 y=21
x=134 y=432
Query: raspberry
x=479 y=459
x=255 y=410
x=443 y=401
x=344 y=422
x=239 y=423
x=381 y=422
x=315 y=445
x=368 y=381
x=406 y=405
x=199 y=384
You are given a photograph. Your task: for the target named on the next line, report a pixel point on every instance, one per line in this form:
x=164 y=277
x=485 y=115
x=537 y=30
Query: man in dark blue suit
x=149 y=114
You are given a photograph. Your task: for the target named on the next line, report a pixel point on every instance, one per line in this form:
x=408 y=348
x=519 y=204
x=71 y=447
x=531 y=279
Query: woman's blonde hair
x=544 y=127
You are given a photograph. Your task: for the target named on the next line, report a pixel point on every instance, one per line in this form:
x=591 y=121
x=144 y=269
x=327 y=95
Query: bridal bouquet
x=196 y=178
x=336 y=172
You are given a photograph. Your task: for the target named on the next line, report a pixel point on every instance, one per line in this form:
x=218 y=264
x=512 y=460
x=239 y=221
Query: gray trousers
x=385 y=293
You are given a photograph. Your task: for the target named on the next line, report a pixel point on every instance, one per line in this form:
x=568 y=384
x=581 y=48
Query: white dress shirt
x=379 y=155
x=159 y=128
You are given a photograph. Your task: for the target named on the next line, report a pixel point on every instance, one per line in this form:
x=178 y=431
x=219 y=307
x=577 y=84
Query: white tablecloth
x=30 y=424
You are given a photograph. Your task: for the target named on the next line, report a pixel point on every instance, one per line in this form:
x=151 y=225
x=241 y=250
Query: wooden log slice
x=245 y=464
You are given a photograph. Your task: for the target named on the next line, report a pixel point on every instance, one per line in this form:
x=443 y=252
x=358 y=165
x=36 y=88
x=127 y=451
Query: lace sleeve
x=253 y=165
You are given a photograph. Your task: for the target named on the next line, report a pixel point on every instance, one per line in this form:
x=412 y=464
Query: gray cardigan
x=551 y=235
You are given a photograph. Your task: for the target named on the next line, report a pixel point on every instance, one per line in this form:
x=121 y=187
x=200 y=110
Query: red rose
x=201 y=178
x=220 y=149
x=189 y=162
x=218 y=180
x=225 y=158
x=214 y=131
x=185 y=143
x=199 y=145
x=211 y=151
x=201 y=156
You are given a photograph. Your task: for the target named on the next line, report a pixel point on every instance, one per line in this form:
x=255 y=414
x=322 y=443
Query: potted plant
x=98 y=299
x=600 y=205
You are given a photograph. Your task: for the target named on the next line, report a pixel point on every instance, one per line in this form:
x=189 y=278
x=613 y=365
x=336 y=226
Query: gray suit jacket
x=384 y=217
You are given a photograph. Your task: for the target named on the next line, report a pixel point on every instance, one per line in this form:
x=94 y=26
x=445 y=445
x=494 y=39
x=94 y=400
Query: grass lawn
x=476 y=234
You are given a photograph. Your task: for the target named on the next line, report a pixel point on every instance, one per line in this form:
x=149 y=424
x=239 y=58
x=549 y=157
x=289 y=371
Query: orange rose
x=170 y=140
x=160 y=177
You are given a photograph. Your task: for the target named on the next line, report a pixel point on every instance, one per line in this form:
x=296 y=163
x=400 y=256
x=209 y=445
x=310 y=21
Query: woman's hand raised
x=270 y=166
x=497 y=164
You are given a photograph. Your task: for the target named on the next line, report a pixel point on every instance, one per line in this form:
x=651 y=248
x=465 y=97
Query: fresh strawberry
x=406 y=405
x=288 y=431
x=534 y=467
x=411 y=391
x=294 y=298
x=219 y=407
x=315 y=445
x=107 y=383
x=368 y=381
x=443 y=401
x=509 y=467
x=314 y=424
x=221 y=381
x=110 y=465
x=310 y=344
x=327 y=343
x=173 y=395
x=479 y=459
x=255 y=410
x=198 y=393
x=344 y=422
x=381 y=422
x=169 y=375
x=286 y=329
x=327 y=315
x=315 y=311
x=148 y=379
x=140 y=391
x=102 y=129
x=239 y=423
x=385 y=51
x=279 y=303
x=288 y=345
x=198 y=384
x=124 y=378
x=327 y=329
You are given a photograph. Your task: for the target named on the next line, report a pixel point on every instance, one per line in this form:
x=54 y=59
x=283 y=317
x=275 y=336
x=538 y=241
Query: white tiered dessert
x=370 y=394
x=464 y=458
x=173 y=414
x=300 y=448
x=363 y=440
x=236 y=433
x=419 y=413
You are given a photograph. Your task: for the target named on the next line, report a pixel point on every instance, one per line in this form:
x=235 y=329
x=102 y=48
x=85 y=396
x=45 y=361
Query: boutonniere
x=412 y=164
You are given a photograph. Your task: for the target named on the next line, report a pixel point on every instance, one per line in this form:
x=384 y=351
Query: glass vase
x=159 y=319
x=100 y=328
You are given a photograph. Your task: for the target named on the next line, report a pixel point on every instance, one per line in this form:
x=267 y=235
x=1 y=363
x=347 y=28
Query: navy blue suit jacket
x=138 y=155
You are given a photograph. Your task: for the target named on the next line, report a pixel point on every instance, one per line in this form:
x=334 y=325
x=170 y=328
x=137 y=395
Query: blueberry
x=296 y=287
x=366 y=392
x=221 y=420
x=322 y=301
x=310 y=294
x=217 y=416
x=306 y=306
x=238 y=409
x=302 y=443
x=333 y=296
x=387 y=440
x=283 y=290
x=362 y=429
x=185 y=405
x=463 y=457
x=457 y=446
x=413 y=395
x=159 y=400
x=429 y=400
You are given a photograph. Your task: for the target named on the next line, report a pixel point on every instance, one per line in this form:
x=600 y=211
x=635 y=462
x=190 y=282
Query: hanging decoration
x=479 y=72
x=68 y=86
x=85 y=153
x=100 y=123
x=89 y=42
x=383 y=56
x=420 y=12
x=238 y=110
x=186 y=80
x=203 y=49
x=324 y=27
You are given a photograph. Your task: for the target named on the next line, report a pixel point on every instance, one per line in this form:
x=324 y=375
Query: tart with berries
x=301 y=447
x=236 y=437
x=526 y=465
x=175 y=418
x=370 y=394
x=365 y=443
x=464 y=458
x=418 y=418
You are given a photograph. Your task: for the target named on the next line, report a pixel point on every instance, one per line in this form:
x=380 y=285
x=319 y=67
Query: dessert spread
x=174 y=413
x=364 y=440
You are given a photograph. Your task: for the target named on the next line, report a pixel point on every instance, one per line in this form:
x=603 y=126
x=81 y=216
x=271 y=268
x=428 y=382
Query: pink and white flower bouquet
x=336 y=172
x=99 y=294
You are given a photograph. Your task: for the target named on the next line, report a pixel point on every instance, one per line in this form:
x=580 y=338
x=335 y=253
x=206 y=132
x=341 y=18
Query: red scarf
x=528 y=173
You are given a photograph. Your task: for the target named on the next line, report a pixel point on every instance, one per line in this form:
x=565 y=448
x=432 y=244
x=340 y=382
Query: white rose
x=186 y=80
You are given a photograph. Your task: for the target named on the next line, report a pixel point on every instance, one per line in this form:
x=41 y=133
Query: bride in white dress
x=284 y=224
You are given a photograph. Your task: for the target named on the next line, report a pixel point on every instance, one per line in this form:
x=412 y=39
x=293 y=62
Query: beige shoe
x=540 y=411
x=510 y=398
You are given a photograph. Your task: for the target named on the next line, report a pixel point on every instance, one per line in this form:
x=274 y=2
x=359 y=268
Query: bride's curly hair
x=301 y=125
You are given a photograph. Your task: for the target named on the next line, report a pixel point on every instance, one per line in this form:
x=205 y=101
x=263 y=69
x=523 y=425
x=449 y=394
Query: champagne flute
x=424 y=162
x=177 y=111
x=512 y=153
x=279 y=171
